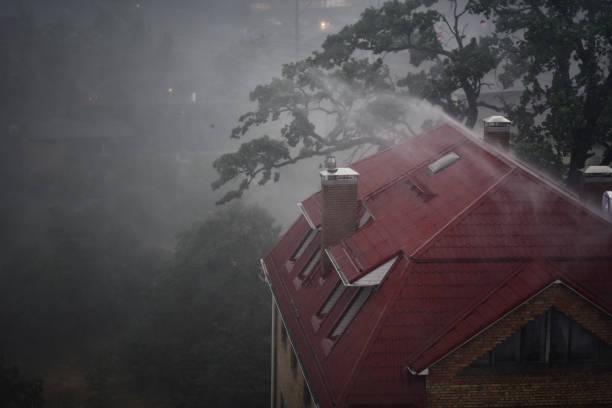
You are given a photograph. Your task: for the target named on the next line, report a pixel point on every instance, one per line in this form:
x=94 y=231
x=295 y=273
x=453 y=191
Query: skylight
x=358 y=301
x=331 y=301
x=304 y=244
x=442 y=163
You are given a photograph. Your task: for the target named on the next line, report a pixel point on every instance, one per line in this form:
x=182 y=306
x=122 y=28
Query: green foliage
x=308 y=94
x=207 y=339
x=16 y=392
x=348 y=84
x=562 y=54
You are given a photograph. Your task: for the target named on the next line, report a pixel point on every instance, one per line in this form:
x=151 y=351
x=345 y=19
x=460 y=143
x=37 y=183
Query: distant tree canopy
x=18 y=392
x=559 y=51
x=207 y=337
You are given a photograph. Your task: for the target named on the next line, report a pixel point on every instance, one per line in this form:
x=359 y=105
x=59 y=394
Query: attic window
x=550 y=339
x=311 y=264
x=351 y=312
x=333 y=298
x=300 y=251
x=442 y=163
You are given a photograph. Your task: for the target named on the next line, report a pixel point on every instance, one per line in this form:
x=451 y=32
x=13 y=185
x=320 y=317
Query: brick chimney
x=497 y=131
x=594 y=182
x=340 y=205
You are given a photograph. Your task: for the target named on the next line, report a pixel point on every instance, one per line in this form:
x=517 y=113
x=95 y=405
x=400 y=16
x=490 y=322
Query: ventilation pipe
x=594 y=182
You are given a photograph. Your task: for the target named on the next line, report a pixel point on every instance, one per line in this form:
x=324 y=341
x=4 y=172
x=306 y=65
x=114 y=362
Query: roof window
x=311 y=264
x=300 y=251
x=351 y=312
x=332 y=299
x=442 y=163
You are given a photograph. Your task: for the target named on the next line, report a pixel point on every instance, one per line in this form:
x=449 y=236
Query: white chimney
x=496 y=131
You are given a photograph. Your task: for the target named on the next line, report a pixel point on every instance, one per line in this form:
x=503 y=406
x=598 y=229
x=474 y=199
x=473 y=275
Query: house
x=443 y=272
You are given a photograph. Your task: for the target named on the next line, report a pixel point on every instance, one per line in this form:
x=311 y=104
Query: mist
x=112 y=114
x=122 y=283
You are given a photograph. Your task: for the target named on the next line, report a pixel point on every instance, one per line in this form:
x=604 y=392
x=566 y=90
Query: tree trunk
x=471 y=97
x=578 y=159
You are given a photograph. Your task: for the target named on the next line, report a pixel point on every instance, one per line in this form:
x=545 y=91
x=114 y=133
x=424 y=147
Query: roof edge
x=306 y=216
x=343 y=278
x=552 y=283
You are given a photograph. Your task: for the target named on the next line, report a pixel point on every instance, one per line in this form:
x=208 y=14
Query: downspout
x=274 y=358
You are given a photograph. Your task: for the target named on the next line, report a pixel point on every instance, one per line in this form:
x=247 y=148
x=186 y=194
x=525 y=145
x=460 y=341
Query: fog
x=114 y=252
x=122 y=283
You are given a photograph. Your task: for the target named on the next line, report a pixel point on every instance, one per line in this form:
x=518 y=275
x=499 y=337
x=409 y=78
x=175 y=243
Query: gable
x=550 y=341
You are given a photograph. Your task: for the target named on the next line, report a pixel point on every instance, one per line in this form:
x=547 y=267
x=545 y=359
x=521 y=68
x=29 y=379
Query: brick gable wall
x=446 y=386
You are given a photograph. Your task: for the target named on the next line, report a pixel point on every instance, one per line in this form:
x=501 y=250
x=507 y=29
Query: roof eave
x=424 y=370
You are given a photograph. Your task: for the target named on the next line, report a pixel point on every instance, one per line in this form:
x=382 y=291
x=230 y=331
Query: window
x=300 y=251
x=442 y=163
x=311 y=264
x=358 y=301
x=549 y=340
x=332 y=299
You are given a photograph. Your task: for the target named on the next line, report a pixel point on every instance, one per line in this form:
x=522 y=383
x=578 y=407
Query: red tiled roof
x=477 y=239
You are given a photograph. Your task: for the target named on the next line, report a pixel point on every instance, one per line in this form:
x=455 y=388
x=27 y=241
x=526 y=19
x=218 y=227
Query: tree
x=348 y=84
x=207 y=338
x=18 y=392
x=458 y=63
x=562 y=54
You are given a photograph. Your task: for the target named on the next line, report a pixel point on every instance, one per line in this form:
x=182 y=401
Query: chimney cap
x=496 y=119
x=342 y=171
x=330 y=164
x=593 y=171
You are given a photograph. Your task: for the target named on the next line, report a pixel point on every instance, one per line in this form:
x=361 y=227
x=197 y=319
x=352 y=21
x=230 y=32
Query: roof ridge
x=564 y=194
x=528 y=170
x=463 y=214
x=374 y=333
x=569 y=281
x=469 y=309
x=466 y=311
x=405 y=140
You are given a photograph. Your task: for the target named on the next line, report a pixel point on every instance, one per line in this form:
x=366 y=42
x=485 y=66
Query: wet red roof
x=474 y=241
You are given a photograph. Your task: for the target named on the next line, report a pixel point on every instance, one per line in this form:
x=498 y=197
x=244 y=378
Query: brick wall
x=340 y=209
x=289 y=380
x=447 y=387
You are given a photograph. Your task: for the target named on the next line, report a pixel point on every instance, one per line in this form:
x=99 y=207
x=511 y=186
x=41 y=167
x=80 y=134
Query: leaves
x=344 y=96
x=561 y=52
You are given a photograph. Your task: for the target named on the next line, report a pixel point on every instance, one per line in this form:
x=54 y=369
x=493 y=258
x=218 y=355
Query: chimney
x=497 y=131
x=594 y=182
x=340 y=205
